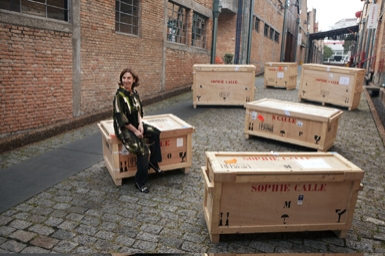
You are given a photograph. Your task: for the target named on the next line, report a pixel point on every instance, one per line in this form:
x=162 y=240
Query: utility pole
x=216 y=12
x=284 y=31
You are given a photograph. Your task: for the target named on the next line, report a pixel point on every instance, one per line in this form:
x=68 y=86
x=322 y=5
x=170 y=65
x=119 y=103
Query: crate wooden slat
x=257 y=192
x=176 y=147
x=281 y=75
x=223 y=84
x=341 y=86
x=296 y=123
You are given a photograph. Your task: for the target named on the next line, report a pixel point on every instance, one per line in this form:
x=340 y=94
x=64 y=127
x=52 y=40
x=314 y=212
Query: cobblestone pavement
x=87 y=213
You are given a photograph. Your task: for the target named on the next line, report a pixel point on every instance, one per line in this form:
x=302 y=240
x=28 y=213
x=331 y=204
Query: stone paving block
x=23 y=207
x=4 y=220
x=63 y=234
x=20 y=224
x=147 y=237
x=124 y=241
x=61 y=206
x=13 y=246
x=77 y=209
x=262 y=246
x=41 y=211
x=45 y=242
x=64 y=246
x=42 y=230
x=85 y=240
x=105 y=246
x=88 y=220
x=105 y=235
x=153 y=229
x=22 y=235
x=6 y=230
x=52 y=221
x=192 y=247
x=68 y=225
x=38 y=219
x=86 y=230
x=84 y=250
x=34 y=250
x=107 y=226
x=144 y=246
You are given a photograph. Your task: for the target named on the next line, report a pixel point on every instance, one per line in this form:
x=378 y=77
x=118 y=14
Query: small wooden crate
x=175 y=140
x=281 y=75
x=297 y=123
x=341 y=86
x=248 y=192
x=223 y=84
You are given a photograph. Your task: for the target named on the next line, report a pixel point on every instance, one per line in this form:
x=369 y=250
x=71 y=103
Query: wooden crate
x=341 y=86
x=176 y=147
x=297 y=123
x=247 y=192
x=223 y=84
x=281 y=75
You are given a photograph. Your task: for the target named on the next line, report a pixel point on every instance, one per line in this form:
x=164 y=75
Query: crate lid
x=281 y=166
x=294 y=109
x=281 y=64
x=164 y=122
x=223 y=68
x=336 y=69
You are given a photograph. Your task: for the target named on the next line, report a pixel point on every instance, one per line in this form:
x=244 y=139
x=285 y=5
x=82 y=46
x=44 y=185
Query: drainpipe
x=238 y=32
x=367 y=46
x=250 y=31
x=284 y=32
x=296 y=39
x=216 y=12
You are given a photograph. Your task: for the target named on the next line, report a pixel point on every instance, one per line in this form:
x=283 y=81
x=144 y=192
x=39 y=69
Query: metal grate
x=52 y=9
x=127 y=16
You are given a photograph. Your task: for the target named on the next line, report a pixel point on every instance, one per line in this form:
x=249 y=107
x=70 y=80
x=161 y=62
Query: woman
x=130 y=129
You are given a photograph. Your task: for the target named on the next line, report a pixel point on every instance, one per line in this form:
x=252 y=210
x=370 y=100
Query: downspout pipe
x=284 y=32
x=251 y=18
x=238 y=32
x=216 y=12
x=296 y=39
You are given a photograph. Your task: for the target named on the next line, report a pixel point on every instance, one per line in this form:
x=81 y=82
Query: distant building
x=344 y=23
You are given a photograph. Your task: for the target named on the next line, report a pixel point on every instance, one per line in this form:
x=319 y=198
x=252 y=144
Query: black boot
x=155 y=166
x=141 y=173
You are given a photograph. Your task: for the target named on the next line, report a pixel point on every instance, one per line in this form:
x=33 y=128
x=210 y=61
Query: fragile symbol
x=317 y=138
x=282 y=132
x=199 y=97
x=200 y=86
x=169 y=155
x=339 y=212
x=251 y=126
x=182 y=155
x=300 y=133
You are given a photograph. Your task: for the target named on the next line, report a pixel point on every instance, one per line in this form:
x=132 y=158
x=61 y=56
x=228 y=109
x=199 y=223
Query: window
x=276 y=37
x=257 y=21
x=271 y=35
x=266 y=30
x=52 y=9
x=177 y=23
x=198 y=31
x=127 y=16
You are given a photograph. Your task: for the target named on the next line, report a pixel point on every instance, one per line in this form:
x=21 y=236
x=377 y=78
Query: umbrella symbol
x=284 y=216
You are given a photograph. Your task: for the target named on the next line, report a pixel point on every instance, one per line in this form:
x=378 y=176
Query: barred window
x=271 y=33
x=266 y=30
x=176 y=23
x=256 y=25
x=199 y=30
x=52 y=9
x=127 y=16
x=276 y=37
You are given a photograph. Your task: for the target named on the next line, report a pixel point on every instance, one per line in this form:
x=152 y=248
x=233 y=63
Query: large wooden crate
x=281 y=75
x=223 y=84
x=260 y=192
x=341 y=86
x=297 y=123
x=176 y=147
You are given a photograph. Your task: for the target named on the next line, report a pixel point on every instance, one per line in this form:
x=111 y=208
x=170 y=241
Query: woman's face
x=127 y=81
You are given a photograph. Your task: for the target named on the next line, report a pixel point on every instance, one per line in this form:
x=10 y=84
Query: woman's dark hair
x=134 y=75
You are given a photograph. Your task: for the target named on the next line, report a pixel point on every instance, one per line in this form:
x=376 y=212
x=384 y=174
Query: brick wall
x=36 y=78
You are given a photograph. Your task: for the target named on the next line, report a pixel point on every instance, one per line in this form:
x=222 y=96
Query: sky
x=331 y=11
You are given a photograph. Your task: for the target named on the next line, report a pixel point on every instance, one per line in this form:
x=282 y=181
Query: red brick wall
x=36 y=78
x=106 y=52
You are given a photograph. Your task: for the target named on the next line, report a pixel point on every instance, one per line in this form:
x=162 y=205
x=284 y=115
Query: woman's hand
x=140 y=128
x=138 y=134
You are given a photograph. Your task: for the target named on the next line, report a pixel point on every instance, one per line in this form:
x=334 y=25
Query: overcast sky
x=331 y=11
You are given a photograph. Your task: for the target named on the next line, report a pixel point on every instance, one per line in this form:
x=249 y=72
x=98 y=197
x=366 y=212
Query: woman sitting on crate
x=133 y=133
